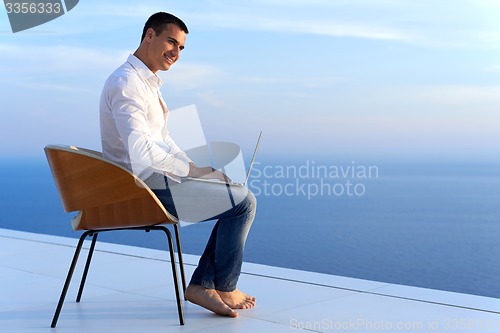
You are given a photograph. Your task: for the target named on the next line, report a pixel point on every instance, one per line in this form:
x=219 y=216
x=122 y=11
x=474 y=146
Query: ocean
x=426 y=224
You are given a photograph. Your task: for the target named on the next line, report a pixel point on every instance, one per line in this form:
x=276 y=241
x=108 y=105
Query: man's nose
x=176 y=51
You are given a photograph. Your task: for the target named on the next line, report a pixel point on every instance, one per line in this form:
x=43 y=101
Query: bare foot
x=237 y=300
x=209 y=299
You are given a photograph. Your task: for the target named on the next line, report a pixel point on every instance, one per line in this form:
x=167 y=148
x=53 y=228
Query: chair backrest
x=106 y=194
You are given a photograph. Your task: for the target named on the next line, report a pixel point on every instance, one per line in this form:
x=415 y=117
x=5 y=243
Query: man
x=134 y=134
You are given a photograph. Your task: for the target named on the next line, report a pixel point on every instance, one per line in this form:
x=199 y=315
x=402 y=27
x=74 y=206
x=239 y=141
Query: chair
x=107 y=197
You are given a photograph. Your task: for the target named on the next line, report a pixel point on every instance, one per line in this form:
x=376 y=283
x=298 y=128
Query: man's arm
x=129 y=110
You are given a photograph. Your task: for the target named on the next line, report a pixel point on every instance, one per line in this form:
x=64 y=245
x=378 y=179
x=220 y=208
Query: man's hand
x=206 y=173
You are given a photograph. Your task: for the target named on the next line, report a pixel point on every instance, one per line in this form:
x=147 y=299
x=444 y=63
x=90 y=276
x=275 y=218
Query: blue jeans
x=234 y=207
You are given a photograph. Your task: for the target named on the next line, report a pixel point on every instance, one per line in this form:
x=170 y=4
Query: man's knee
x=251 y=198
x=250 y=201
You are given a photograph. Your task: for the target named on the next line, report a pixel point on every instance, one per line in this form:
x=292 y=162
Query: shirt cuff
x=182 y=156
x=180 y=167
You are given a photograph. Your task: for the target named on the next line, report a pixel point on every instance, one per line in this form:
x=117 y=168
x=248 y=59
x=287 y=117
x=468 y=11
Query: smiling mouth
x=169 y=60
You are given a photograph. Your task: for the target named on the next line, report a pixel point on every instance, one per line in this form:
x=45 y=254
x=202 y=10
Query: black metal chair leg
x=87 y=265
x=68 y=278
x=94 y=233
x=181 y=262
x=174 y=273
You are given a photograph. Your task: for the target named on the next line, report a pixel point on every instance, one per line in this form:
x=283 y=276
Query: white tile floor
x=130 y=289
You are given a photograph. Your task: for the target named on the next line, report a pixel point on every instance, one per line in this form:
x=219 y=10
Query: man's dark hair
x=159 y=20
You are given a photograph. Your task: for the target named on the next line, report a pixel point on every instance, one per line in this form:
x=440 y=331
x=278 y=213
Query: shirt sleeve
x=129 y=107
x=174 y=149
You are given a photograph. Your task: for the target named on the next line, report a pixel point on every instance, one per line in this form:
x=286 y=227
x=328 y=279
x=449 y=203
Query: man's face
x=165 y=48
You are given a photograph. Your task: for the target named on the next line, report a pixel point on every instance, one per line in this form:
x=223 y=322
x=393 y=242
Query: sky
x=370 y=78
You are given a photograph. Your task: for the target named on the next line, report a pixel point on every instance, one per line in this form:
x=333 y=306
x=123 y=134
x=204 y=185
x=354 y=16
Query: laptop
x=222 y=182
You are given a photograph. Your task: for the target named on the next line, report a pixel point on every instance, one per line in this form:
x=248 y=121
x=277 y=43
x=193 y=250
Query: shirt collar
x=144 y=72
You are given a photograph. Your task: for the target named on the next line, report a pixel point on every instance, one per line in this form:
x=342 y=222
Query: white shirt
x=133 y=119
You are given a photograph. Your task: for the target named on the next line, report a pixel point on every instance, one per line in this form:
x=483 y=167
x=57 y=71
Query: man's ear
x=150 y=33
